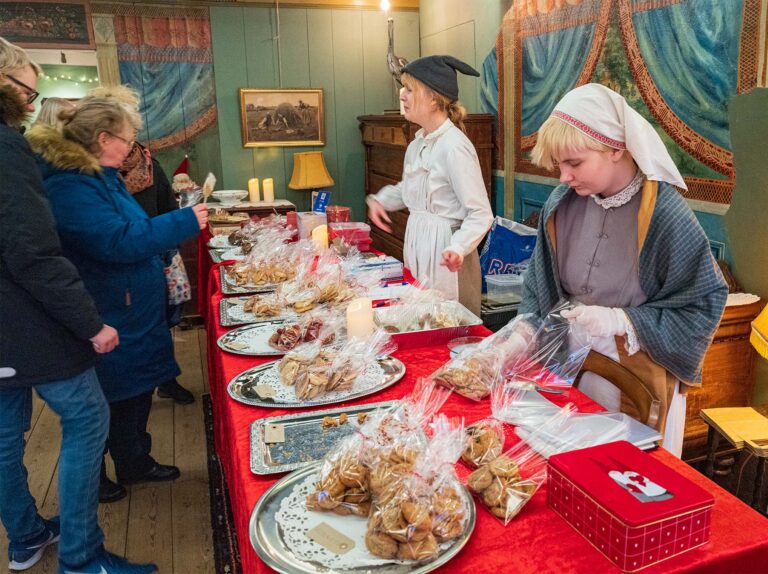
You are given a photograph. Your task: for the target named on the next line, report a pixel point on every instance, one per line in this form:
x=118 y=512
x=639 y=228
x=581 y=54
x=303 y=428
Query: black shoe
x=156 y=473
x=173 y=390
x=110 y=491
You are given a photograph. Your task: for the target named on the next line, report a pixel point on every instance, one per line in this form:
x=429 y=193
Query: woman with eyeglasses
x=117 y=248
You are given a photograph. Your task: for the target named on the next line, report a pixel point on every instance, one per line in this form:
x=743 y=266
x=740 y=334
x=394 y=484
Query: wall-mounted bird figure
x=394 y=63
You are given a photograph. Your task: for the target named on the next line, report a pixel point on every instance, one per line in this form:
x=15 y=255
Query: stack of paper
x=742 y=427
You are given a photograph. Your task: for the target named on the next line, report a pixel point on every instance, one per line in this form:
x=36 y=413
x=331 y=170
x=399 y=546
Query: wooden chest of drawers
x=385 y=139
x=728 y=377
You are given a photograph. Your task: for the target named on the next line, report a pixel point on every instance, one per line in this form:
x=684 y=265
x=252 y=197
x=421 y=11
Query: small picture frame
x=60 y=25
x=282 y=117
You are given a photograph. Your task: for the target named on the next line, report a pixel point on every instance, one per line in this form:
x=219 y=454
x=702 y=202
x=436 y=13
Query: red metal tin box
x=631 y=507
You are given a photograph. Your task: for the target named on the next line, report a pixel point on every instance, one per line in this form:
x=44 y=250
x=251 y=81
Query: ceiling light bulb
x=385 y=5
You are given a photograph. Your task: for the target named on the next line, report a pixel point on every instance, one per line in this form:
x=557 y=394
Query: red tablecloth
x=537 y=541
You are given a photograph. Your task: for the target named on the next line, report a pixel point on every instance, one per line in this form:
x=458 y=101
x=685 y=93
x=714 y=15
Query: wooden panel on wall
x=341 y=51
x=459 y=41
x=228 y=40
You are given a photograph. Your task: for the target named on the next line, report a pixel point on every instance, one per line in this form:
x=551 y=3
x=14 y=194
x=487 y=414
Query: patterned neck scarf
x=137 y=169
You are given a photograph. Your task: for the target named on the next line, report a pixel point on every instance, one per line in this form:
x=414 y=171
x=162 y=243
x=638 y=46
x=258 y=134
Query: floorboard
x=165 y=523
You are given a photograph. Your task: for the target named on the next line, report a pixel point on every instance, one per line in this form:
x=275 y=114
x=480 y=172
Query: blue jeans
x=84 y=415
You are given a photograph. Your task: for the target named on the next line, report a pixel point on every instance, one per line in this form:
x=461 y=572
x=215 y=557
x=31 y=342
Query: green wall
x=466 y=29
x=746 y=219
x=341 y=51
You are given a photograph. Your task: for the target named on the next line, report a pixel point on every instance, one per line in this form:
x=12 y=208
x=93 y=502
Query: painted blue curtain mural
x=166 y=56
x=552 y=63
x=701 y=38
x=489 y=84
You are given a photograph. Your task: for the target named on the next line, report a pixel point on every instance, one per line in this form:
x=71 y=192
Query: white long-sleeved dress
x=442 y=187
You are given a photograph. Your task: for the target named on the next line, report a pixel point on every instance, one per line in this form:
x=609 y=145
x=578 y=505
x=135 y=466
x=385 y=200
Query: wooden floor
x=165 y=523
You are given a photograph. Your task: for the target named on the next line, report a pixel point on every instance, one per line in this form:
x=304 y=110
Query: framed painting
x=282 y=117
x=64 y=24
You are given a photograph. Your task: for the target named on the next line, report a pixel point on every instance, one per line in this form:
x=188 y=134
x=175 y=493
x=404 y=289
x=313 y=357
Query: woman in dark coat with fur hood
x=117 y=249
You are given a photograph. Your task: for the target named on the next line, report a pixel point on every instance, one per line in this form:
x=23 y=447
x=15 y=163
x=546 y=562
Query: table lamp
x=759 y=336
x=309 y=172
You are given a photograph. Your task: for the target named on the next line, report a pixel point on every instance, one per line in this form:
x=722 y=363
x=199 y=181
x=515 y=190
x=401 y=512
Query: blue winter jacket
x=116 y=248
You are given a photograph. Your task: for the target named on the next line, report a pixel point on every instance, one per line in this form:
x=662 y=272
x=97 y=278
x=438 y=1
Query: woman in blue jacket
x=116 y=249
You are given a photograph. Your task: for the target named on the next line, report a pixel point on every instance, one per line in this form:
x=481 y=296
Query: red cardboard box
x=631 y=507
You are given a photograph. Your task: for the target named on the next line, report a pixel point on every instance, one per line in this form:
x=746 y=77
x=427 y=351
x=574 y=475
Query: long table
x=536 y=541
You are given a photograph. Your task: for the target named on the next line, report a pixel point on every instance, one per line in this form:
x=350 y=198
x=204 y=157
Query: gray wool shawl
x=685 y=288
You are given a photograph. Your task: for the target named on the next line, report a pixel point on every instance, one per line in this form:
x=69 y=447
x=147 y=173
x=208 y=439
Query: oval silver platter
x=242 y=388
x=267 y=540
x=228 y=288
x=251 y=339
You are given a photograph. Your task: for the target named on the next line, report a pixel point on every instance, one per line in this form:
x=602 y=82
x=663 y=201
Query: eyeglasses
x=31 y=94
x=129 y=143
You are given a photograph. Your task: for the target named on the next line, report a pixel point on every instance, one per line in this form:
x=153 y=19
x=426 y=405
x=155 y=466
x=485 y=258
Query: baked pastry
x=501 y=488
x=482 y=445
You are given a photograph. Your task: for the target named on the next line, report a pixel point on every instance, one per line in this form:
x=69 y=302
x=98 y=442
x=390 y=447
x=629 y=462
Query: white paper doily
x=741 y=299
x=234 y=254
x=219 y=242
x=295 y=521
x=371 y=377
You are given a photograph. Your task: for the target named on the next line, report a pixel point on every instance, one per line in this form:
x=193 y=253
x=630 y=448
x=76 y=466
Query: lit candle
x=269 y=190
x=320 y=237
x=359 y=318
x=253 y=190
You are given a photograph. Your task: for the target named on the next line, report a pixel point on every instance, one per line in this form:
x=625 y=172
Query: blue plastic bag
x=508 y=247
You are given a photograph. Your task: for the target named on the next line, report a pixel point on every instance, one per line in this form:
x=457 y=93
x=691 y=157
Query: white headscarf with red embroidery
x=606 y=117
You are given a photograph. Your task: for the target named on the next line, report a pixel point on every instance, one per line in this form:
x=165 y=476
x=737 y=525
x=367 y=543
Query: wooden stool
x=743 y=428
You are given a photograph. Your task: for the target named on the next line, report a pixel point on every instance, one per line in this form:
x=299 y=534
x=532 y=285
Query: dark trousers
x=128 y=442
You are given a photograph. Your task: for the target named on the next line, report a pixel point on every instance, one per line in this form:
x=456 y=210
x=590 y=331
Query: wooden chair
x=643 y=399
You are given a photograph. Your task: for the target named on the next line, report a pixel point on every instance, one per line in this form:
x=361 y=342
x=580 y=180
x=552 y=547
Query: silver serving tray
x=267 y=539
x=261 y=331
x=306 y=441
x=228 y=318
x=228 y=289
x=219 y=255
x=242 y=387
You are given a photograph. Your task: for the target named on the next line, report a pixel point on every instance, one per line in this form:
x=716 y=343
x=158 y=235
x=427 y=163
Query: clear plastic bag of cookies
x=400 y=436
x=506 y=483
x=343 y=484
x=483 y=441
x=318 y=325
x=553 y=356
x=422 y=507
x=474 y=370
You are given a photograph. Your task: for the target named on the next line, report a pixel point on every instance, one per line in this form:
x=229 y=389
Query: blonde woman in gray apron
x=442 y=185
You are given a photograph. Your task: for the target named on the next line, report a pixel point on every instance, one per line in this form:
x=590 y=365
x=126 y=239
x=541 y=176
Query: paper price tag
x=264 y=391
x=274 y=434
x=331 y=539
x=237 y=346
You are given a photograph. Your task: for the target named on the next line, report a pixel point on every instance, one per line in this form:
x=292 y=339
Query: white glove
x=513 y=346
x=598 y=321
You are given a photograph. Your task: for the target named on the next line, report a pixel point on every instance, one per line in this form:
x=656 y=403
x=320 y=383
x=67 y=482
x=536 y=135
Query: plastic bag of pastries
x=319 y=325
x=473 y=371
x=507 y=482
x=422 y=507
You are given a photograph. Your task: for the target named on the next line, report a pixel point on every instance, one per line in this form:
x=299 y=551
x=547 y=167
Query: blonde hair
x=50 y=109
x=123 y=94
x=454 y=108
x=556 y=138
x=13 y=58
x=95 y=115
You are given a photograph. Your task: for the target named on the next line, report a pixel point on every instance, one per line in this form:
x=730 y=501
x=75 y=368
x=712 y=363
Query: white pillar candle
x=269 y=189
x=320 y=237
x=360 y=318
x=253 y=190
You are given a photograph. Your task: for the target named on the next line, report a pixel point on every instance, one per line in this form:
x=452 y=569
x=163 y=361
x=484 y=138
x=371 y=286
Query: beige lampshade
x=309 y=171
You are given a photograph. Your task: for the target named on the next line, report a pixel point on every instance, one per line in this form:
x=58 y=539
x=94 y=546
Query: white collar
x=623 y=197
x=444 y=127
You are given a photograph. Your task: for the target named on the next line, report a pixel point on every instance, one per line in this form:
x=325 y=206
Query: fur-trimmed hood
x=61 y=153
x=12 y=108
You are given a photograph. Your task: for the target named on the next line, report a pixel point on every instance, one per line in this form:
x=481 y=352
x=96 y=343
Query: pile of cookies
x=501 y=488
x=483 y=442
x=342 y=488
x=262 y=306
